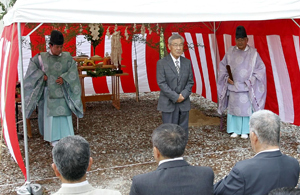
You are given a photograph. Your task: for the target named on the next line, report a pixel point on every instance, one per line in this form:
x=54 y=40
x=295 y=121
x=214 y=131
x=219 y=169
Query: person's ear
x=90 y=164
x=57 y=173
x=156 y=153
x=254 y=137
x=169 y=46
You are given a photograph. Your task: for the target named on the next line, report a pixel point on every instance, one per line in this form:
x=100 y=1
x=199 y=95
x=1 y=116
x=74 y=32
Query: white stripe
x=4 y=74
x=141 y=64
x=1 y=54
x=7 y=137
x=297 y=46
x=227 y=42
x=27 y=54
x=47 y=40
x=197 y=74
x=83 y=47
x=251 y=40
x=281 y=79
x=202 y=54
x=107 y=49
x=3 y=103
x=214 y=48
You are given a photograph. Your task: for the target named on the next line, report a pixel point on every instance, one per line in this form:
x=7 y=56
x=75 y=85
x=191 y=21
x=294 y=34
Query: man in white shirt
x=173 y=175
x=269 y=168
x=71 y=157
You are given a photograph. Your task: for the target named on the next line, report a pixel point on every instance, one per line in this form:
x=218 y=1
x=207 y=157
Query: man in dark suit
x=174 y=176
x=175 y=79
x=268 y=169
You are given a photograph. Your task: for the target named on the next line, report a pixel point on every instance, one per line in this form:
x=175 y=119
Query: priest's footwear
x=234 y=135
x=244 y=136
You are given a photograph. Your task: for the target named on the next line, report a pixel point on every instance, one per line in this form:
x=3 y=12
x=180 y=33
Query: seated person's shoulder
x=291 y=159
x=106 y=192
x=203 y=169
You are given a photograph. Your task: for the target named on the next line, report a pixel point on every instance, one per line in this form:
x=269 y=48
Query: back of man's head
x=170 y=140
x=266 y=125
x=71 y=156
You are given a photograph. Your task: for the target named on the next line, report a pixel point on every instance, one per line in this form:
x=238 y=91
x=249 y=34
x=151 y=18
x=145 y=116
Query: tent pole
x=22 y=101
x=27 y=183
x=27 y=188
x=216 y=76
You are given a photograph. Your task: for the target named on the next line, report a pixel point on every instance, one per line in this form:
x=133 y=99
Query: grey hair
x=71 y=156
x=170 y=140
x=175 y=36
x=266 y=125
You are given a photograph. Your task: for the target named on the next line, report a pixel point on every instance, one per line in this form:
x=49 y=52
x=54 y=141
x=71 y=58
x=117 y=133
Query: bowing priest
x=52 y=83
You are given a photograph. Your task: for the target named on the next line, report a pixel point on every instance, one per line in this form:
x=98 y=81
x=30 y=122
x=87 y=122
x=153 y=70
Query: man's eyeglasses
x=177 y=45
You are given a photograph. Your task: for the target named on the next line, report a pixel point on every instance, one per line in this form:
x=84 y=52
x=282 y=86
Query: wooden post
x=136 y=81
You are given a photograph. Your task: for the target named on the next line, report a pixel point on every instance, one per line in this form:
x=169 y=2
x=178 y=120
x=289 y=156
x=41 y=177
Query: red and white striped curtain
x=9 y=53
x=277 y=42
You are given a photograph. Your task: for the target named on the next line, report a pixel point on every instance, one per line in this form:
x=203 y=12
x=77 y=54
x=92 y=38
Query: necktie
x=177 y=66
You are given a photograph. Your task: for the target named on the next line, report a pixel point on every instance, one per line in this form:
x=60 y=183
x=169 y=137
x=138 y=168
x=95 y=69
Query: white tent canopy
x=150 y=11
x=156 y=11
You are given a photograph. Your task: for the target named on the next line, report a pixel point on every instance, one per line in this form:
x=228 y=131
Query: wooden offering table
x=114 y=96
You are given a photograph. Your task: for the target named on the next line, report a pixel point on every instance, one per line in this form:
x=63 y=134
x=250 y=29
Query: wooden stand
x=29 y=134
x=114 y=96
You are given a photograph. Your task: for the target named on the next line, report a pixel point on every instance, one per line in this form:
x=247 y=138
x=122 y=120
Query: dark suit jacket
x=174 y=178
x=260 y=174
x=171 y=84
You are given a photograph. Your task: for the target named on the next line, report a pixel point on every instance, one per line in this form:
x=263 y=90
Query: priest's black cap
x=56 y=38
x=240 y=32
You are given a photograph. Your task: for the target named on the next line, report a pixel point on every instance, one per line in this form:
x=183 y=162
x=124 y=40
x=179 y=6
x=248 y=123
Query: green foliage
x=68 y=30
x=4 y=8
x=162 y=46
x=12 y=3
x=101 y=72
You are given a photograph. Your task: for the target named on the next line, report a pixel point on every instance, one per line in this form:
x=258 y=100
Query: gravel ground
x=120 y=142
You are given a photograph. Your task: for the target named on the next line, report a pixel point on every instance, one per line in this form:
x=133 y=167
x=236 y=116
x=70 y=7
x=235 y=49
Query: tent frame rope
x=38 y=26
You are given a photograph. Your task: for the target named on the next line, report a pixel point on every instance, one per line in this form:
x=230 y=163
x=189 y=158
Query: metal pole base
x=35 y=189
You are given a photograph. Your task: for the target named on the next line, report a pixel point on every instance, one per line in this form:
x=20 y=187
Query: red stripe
x=127 y=82
x=221 y=46
x=152 y=56
x=293 y=69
